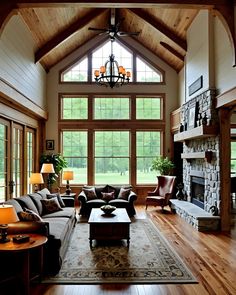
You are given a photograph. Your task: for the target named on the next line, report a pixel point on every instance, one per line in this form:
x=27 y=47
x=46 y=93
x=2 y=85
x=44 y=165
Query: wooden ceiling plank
x=160 y=27
x=122 y=3
x=61 y=37
x=172 y=50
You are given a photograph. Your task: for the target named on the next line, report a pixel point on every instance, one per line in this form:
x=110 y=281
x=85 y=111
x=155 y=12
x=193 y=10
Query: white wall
x=197 y=56
x=17 y=65
x=53 y=88
x=225 y=73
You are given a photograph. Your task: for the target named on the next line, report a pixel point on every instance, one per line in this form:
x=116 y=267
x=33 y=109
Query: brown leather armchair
x=162 y=193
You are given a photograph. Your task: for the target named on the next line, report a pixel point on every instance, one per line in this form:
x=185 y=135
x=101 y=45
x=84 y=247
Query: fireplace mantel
x=207 y=155
x=196 y=133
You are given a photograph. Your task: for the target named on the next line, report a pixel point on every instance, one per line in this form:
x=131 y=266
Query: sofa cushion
x=90 y=193
x=99 y=190
x=107 y=196
x=66 y=212
x=97 y=203
x=15 y=204
x=119 y=203
x=59 y=198
x=36 y=198
x=29 y=215
x=50 y=205
x=44 y=193
x=27 y=202
x=124 y=193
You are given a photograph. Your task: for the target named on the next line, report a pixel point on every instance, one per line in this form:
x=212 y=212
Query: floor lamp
x=48 y=168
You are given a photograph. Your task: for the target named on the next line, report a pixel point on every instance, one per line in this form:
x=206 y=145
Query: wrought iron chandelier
x=111 y=74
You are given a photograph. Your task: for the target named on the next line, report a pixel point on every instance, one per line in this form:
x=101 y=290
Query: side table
x=23 y=250
x=67 y=198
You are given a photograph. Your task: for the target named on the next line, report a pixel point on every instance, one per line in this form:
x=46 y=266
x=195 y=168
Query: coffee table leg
x=90 y=243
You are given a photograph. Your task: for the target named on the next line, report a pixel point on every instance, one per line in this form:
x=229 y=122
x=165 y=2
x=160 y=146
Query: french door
x=17 y=158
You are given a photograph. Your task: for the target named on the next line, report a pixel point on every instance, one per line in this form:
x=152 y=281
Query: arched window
x=79 y=71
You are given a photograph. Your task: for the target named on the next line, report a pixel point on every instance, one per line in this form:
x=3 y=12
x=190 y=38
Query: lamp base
x=68 y=191
x=4 y=240
x=3 y=235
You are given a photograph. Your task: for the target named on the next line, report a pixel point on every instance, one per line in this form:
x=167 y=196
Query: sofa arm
x=82 y=197
x=69 y=201
x=22 y=227
x=132 y=196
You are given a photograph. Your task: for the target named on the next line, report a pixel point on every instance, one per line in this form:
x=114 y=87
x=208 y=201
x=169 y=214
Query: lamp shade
x=68 y=175
x=47 y=168
x=36 y=178
x=8 y=214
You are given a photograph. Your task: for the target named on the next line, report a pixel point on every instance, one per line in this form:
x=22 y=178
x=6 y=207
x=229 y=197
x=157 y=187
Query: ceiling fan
x=114 y=28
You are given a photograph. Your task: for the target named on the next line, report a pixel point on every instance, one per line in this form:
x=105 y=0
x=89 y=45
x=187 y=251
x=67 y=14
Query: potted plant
x=58 y=161
x=163 y=165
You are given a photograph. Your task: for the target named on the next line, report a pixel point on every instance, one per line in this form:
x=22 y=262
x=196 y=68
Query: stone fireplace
x=201 y=163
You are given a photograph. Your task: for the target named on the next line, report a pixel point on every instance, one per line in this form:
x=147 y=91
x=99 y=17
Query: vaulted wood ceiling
x=60 y=30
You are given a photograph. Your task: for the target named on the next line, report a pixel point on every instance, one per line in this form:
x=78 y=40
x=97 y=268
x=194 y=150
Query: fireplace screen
x=197 y=191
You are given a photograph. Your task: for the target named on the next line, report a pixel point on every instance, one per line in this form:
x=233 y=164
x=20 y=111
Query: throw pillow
x=124 y=194
x=90 y=193
x=107 y=196
x=50 y=196
x=51 y=205
x=29 y=215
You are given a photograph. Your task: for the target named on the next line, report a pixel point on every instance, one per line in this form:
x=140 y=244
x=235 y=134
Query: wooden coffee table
x=109 y=227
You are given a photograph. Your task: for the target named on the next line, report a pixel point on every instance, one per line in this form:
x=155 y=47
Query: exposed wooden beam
x=123 y=3
x=227 y=99
x=225 y=202
x=172 y=50
x=160 y=27
x=7 y=9
x=67 y=33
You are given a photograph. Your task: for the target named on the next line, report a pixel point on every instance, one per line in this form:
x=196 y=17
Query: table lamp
x=36 y=178
x=7 y=215
x=68 y=175
x=47 y=168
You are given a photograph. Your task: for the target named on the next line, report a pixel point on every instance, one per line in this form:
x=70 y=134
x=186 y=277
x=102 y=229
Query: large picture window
x=74 y=108
x=112 y=157
x=75 y=151
x=118 y=152
x=117 y=108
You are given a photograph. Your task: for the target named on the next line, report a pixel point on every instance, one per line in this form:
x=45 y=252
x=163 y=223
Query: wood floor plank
x=210 y=257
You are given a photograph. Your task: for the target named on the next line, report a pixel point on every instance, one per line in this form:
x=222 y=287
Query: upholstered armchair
x=162 y=193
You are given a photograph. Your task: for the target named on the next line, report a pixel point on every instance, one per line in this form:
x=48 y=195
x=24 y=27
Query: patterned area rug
x=149 y=259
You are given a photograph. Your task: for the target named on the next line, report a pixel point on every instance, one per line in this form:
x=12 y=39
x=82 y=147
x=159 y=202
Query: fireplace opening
x=197 y=191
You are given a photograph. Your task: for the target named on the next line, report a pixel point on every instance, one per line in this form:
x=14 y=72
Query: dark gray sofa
x=89 y=200
x=57 y=226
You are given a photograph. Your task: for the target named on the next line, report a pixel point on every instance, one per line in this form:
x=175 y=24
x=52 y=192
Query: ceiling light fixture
x=111 y=74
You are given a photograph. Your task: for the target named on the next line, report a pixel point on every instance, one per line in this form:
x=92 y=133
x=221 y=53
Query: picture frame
x=50 y=144
x=192 y=111
x=195 y=86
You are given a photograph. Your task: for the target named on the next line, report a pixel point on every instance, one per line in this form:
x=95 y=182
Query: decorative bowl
x=108 y=209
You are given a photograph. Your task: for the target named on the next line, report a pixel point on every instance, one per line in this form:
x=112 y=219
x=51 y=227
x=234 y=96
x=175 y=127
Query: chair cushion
x=50 y=205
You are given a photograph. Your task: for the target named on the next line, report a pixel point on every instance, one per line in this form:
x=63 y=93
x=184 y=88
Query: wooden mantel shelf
x=198 y=155
x=195 y=133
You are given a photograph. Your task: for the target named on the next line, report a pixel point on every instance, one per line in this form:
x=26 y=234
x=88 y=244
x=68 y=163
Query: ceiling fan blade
x=98 y=30
x=123 y=34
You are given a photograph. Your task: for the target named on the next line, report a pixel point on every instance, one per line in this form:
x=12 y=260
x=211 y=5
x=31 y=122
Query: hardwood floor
x=210 y=256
